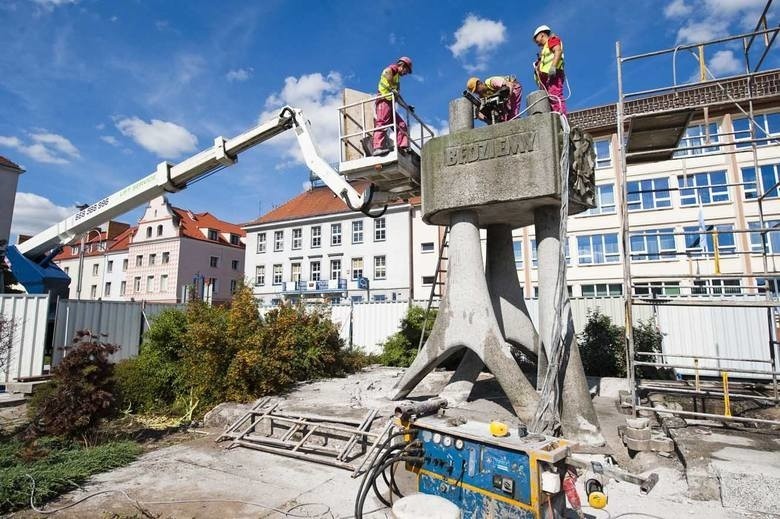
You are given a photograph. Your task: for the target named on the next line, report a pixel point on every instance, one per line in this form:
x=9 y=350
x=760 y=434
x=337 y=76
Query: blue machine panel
x=472 y=474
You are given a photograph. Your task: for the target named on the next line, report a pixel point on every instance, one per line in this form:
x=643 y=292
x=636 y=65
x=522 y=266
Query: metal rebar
x=708 y=415
x=701 y=357
x=701 y=368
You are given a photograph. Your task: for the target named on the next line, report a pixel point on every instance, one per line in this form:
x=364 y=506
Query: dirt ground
x=198 y=478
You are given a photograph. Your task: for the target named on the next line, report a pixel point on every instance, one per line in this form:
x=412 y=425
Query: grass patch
x=56 y=465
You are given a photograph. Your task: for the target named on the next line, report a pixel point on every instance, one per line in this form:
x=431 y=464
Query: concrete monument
x=499 y=178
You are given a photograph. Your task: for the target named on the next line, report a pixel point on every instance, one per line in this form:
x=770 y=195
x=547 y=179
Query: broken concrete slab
x=637 y=445
x=661 y=444
x=637 y=434
x=638 y=423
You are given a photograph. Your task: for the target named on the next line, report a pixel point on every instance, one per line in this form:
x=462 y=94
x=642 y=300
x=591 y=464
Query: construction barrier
x=25 y=316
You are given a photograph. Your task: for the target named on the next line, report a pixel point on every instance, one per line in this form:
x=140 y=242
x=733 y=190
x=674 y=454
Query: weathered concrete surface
x=502 y=172
x=214 y=478
x=740 y=467
x=466 y=320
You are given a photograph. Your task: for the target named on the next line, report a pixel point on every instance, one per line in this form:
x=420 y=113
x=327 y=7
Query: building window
x=278 y=240
x=356 y=299
x=235 y=239
x=297 y=238
x=166 y=258
x=295 y=272
x=768 y=126
x=653 y=245
x=335 y=269
x=700 y=245
x=335 y=234
x=651 y=193
x=380 y=229
x=137 y=284
x=379 y=297
x=517 y=246
x=124 y=265
x=596 y=249
x=427 y=247
x=149 y=283
x=149 y=232
x=380 y=267
x=122 y=288
x=159 y=230
x=74 y=249
x=428 y=280
x=277 y=275
x=357 y=268
x=771 y=284
x=696 y=140
x=719 y=286
x=535 y=257
x=152 y=259
x=214 y=261
x=605 y=200
x=603 y=157
x=139 y=260
x=164 y=283
x=95 y=269
x=233 y=286
x=770 y=174
x=602 y=290
x=260 y=275
x=93 y=292
x=314 y=270
x=234 y=264
x=260 y=242
x=66 y=270
x=357 y=231
x=213 y=236
x=710 y=188
x=214 y=284
x=657 y=288
x=772 y=236
x=316 y=236
x=109 y=267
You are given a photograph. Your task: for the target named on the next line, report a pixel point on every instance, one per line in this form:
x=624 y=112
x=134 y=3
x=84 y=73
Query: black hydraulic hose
x=359 y=511
x=388 y=463
x=415 y=449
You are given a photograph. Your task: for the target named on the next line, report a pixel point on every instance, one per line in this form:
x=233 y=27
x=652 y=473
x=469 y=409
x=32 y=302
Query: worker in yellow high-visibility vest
x=548 y=68
x=390 y=82
x=493 y=85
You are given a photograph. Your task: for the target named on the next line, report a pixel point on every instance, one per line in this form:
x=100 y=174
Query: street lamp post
x=84 y=239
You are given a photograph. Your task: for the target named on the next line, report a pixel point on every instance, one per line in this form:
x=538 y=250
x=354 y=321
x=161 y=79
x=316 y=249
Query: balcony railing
x=322 y=285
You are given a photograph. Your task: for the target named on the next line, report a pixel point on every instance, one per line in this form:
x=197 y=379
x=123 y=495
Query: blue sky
x=93 y=94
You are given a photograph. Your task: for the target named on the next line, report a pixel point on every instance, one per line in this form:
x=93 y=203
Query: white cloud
x=110 y=139
x=48 y=148
x=34 y=213
x=239 y=74
x=165 y=139
x=319 y=97
x=114 y=18
x=161 y=24
x=54 y=3
x=480 y=36
x=677 y=9
x=723 y=63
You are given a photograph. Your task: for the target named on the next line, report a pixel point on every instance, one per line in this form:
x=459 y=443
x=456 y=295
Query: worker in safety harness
x=495 y=85
x=548 y=68
x=390 y=83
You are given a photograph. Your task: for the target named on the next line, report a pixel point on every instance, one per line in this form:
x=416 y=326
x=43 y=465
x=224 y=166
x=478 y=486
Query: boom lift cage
x=647 y=134
x=397 y=172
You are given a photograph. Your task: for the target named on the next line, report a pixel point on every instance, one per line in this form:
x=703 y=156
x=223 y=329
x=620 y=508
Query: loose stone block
x=637 y=445
x=638 y=423
x=661 y=444
x=638 y=434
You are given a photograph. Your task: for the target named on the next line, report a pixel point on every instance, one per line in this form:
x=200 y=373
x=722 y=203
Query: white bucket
x=425 y=505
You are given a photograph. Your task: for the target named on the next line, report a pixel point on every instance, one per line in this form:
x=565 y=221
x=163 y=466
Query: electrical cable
x=138 y=504
x=363 y=490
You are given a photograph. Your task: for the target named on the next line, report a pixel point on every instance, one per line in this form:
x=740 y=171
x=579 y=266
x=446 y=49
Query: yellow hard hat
x=471 y=84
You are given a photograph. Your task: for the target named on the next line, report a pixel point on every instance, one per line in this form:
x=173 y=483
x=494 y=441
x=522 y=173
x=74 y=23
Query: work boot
x=380 y=152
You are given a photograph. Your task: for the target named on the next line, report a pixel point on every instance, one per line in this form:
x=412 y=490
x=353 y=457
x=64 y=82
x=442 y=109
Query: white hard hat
x=541 y=28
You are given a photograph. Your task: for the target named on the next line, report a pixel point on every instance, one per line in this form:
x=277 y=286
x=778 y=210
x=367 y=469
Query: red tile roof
x=116 y=241
x=8 y=164
x=122 y=240
x=318 y=201
x=190 y=225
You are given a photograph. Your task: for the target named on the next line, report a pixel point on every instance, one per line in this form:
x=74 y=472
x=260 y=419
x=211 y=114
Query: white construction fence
x=25 y=318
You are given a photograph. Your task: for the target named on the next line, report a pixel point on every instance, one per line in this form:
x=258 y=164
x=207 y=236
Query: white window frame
x=699 y=188
x=316 y=236
x=357 y=268
x=427 y=247
x=315 y=270
x=297 y=238
x=601 y=206
x=642 y=242
x=602 y=289
x=708 y=249
x=751 y=186
x=278 y=274
x=260 y=275
x=660 y=195
x=591 y=240
x=602 y=161
x=380 y=229
x=278 y=241
x=696 y=135
x=261 y=242
x=335 y=234
x=380 y=267
x=214 y=262
x=163 y=282
x=357 y=231
x=335 y=269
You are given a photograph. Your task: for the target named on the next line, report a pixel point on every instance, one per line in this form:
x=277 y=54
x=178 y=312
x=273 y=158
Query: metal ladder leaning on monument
x=436 y=283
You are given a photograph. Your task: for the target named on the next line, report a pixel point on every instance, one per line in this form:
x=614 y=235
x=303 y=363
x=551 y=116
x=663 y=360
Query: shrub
x=601 y=346
x=401 y=348
x=80 y=394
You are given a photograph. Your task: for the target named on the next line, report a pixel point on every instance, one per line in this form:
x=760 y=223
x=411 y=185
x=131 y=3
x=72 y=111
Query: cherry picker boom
x=32 y=261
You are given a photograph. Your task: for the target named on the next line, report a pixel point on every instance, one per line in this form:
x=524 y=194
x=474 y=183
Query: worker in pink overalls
x=389 y=83
x=548 y=68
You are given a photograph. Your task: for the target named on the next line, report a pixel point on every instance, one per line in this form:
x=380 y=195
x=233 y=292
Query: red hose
x=570 y=489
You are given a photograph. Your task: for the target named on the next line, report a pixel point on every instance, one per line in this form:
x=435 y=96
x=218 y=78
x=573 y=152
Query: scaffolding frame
x=629 y=299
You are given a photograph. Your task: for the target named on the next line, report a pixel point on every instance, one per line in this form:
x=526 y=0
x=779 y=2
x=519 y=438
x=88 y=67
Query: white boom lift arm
x=169 y=178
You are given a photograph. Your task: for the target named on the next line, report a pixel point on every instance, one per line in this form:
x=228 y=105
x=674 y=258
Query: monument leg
x=578 y=417
x=466 y=320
